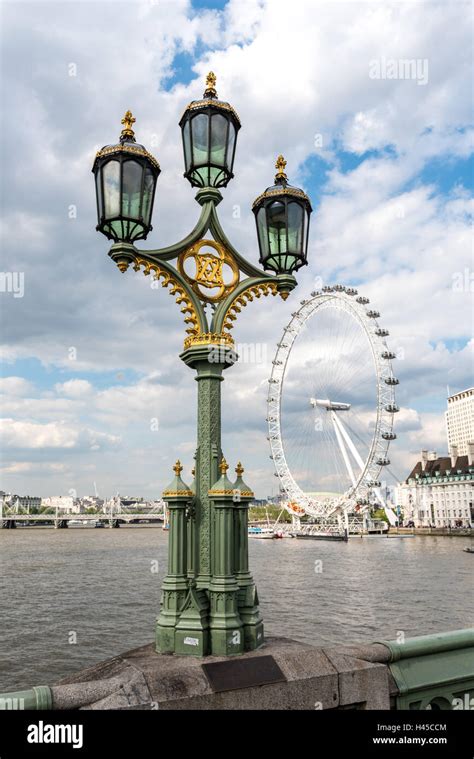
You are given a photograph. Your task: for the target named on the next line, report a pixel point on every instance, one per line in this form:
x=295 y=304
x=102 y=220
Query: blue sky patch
x=45 y=377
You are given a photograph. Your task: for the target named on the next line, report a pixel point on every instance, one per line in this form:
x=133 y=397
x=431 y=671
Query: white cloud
x=407 y=419
x=291 y=72
x=75 y=388
x=17 y=386
x=25 y=435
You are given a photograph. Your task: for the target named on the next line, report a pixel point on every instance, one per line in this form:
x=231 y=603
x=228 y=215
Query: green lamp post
x=209 y=600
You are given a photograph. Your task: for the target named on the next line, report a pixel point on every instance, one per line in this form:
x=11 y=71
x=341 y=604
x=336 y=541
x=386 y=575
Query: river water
x=70 y=598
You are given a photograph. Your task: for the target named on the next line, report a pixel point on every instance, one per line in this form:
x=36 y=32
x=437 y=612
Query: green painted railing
x=434 y=671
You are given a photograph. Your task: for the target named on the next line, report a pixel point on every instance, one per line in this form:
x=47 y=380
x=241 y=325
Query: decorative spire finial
x=210 y=91
x=128 y=121
x=239 y=470
x=223 y=466
x=193 y=471
x=280 y=165
x=177 y=469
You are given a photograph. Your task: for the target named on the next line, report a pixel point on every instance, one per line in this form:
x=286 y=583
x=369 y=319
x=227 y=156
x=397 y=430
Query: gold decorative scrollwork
x=176 y=289
x=209 y=270
x=254 y=291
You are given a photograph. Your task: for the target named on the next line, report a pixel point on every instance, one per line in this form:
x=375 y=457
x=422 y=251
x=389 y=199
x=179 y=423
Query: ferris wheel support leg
x=346 y=524
x=343 y=448
x=349 y=442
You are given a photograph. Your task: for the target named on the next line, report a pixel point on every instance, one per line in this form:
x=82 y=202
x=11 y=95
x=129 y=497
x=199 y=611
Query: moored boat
x=262 y=533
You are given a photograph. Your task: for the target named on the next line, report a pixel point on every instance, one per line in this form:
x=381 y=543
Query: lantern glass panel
x=131 y=189
x=111 y=172
x=262 y=232
x=98 y=190
x=187 y=144
x=200 y=139
x=276 y=228
x=230 y=146
x=148 y=187
x=295 y=228
x=120 y=228
x=218 y=138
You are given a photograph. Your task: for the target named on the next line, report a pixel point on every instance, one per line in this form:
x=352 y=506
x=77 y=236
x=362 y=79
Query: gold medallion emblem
x=213 y=274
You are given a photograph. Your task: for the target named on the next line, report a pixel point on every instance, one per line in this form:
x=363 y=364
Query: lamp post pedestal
x=209 y=598
x=248 y=596
x=226 y=624
x=175 y=585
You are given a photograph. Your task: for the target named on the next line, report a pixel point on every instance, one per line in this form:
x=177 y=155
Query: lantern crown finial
x=210 y=91
x=177 y=469
x=280 y=165
x=223 y=466
x=127 y=132
x=239 y=470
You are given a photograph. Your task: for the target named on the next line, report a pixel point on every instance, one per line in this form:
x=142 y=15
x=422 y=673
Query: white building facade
x=460 y=420
x=23 y=502
x=64 y=503
x=439 y=491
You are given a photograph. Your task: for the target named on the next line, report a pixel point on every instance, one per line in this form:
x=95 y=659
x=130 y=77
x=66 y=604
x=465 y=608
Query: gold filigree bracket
x=216 y=273
x=245 y=297
x=187 y=307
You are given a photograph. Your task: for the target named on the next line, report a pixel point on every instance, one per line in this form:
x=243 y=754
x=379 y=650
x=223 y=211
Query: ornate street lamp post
x=209 y=599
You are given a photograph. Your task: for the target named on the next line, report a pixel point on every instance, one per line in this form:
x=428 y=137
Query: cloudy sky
x=90 y=356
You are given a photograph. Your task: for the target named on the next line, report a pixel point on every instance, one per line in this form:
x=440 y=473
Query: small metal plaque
x=235 y=674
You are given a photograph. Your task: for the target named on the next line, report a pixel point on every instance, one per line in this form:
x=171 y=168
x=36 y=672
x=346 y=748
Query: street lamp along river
x=209 y=600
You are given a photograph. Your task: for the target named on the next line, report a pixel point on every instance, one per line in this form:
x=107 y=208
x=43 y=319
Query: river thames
x=71 y=598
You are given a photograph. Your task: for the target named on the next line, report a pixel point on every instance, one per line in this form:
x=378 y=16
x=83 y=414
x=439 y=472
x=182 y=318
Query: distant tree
x=259 y=513
x=379 y=514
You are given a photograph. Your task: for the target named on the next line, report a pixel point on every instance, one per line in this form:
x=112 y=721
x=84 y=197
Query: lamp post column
x=209 y=452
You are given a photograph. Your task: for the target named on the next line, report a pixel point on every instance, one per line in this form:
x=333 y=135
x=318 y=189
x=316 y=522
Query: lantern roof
x=210 y=100
x=223 y=486
x=127 y=144
x=281 y=186
x=177 y=488
x=240 y=485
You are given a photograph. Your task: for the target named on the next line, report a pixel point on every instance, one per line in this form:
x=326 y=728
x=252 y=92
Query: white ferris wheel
x=331 y=404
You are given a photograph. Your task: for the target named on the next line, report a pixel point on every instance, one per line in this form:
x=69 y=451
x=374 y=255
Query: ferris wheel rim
x=343 y=299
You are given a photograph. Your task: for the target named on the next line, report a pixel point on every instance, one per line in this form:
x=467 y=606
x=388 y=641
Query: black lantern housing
x=282 y=215
x=209 y=128
x=125 y=182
